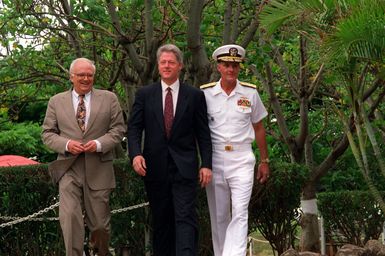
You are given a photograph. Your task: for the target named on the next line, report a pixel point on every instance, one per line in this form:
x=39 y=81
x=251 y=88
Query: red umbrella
x=13 y=160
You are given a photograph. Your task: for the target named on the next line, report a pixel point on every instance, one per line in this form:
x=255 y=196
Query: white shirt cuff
x=98 y=146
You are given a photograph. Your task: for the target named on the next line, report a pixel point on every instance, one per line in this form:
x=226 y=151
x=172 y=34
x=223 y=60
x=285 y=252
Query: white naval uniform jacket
x=231 y=116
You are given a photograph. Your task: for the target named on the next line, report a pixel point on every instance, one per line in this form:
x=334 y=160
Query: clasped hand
x=76 y=147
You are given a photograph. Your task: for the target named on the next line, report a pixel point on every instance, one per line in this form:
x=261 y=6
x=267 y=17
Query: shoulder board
x=212 y=84
x=248 y=85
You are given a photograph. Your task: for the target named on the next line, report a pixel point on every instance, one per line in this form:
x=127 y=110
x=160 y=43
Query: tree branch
x=279 y=60
x=127 y=45
x=227 y=22
x=315 y=83
x=72 y=37
x=273 y=99
x=252 y=29
x=235 y=24
x=200 y=67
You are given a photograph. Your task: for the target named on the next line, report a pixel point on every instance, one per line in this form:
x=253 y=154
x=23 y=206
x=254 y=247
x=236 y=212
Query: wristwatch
x=265 y=161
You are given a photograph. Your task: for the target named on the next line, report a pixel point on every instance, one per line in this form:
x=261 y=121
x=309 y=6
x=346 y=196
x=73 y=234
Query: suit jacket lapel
x=180 y=106
x=67 y=101
x=96 y=103
x=158 y=105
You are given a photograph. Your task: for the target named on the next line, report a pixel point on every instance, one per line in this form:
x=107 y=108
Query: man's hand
x=139 y=165
x=75 y=147
x=90 y=146
x=205 y=176
x=263 y=172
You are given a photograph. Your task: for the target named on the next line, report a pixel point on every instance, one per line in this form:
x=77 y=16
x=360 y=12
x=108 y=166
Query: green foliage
x=24 y=190
x=128 y=228
x=361 y=34
x=345 y=30
x=350 y=216
x=274 y=206
x=346 y=175
x=302 y=15
x=339 y=34
x=25 y=96
x=32 y=112
x=23 y=139
x=278 y=13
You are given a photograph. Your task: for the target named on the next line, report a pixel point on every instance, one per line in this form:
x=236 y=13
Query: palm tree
x=350 y=35
x=359 y=42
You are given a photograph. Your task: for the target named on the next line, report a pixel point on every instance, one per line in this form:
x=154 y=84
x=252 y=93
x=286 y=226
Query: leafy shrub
x=23 y=139
x=346 y=174
x=24 y=190
x=274 y=206
x=350 y=216
x=128 y=228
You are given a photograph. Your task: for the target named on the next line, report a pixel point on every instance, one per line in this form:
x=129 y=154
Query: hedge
x=350 y=216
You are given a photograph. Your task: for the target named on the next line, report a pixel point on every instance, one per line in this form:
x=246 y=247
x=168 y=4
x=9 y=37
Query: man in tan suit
x=83 y=125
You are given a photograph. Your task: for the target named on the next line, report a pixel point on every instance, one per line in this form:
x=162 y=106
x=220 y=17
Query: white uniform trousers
x=228 y=197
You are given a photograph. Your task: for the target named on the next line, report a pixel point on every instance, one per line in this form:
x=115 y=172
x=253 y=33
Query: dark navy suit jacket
x=190 y=132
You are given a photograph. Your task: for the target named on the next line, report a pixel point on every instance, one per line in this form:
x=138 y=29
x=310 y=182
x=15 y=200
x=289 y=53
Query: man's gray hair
x=82 y=59
x=170 y=48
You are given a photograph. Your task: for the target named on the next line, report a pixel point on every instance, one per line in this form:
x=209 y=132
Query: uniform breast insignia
x=248 y=85
x=209 y=85
x=244 y=102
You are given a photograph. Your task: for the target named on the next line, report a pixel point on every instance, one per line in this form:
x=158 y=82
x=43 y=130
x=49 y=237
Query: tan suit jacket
x=105 y=124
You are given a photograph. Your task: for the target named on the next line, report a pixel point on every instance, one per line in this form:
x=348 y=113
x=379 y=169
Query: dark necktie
x=168 y=112
x=81 y=113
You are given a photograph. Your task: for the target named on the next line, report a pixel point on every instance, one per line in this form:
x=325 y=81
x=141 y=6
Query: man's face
x=229 y=70
x=169 y=67
x=82 y=77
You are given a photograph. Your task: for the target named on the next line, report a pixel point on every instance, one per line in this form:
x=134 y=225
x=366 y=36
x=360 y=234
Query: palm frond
x=280 y=12
x=361 y=35
x=277 y=13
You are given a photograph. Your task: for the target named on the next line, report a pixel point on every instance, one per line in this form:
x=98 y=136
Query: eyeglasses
x=84 y=75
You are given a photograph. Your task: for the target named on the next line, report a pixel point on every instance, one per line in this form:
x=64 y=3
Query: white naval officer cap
x=229 y=53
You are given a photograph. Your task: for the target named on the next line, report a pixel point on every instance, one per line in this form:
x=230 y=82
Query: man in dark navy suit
x=173 y=117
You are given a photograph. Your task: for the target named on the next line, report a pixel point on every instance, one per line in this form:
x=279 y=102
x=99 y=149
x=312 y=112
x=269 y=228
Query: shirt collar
x=174 y=87
x=217 y=88
x=239 y=88
x=76 y=95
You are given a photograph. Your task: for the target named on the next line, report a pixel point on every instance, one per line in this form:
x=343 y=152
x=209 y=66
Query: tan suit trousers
x=77 y=198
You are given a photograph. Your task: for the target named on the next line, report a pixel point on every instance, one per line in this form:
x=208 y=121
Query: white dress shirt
x=87 y=103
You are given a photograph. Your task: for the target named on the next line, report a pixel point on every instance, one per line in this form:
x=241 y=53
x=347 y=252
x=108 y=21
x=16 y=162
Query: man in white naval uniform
x=235 y=113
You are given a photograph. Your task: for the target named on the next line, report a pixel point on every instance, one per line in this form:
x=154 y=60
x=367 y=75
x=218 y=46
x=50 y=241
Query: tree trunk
x=200 y=68
x=310 y=236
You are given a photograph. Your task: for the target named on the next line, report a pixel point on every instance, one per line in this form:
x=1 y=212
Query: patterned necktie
x=81 y=113
x=168 y=112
